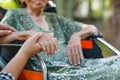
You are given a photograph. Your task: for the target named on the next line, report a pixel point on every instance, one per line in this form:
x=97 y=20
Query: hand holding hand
x=48 y=43
x=31 y=46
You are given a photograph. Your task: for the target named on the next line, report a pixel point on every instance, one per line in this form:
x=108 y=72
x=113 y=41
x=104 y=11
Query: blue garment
x=6 y=76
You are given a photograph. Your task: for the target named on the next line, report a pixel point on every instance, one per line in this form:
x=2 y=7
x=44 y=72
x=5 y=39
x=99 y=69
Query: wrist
x=23 y=54
x=79 y=34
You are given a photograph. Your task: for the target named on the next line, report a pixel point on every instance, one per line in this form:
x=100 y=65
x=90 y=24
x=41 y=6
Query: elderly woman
x=33 y=18
x=68 y=32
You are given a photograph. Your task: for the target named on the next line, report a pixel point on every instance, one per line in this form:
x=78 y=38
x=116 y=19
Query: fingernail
x=75 y=64
x=58 y=50
x=71 y=62
x=9 y=31
x=82 y=58
x=78 y=62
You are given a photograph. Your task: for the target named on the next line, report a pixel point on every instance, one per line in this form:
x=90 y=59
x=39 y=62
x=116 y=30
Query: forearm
x=22 y=36
x=87 y=30
x=16 y=65
x=29 y=48
x=4 y=40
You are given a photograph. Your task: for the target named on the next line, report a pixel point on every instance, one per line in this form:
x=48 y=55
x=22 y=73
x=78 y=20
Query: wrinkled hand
x=6 y=29
x=48 y=43
x=75 y=53
x=31 y=46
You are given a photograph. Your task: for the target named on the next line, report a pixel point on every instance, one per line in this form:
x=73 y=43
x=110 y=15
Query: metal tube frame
x=109 y=45
x=41 y=61
x=43 y=66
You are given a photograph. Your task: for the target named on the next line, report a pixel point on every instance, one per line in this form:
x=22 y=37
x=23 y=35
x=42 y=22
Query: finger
x=5 y=32
x=7 y=27
x=74 y=55
x=42 y=44
x=53 y=48
x=69 y=54
x=77 y=49
x=47 y=46
x=77 y=55
x=56 y=45
x=81 y=53
x=13 y=29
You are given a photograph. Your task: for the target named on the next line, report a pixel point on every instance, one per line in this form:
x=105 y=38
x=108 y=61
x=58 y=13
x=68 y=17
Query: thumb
x=5 y=32
x=36 y=37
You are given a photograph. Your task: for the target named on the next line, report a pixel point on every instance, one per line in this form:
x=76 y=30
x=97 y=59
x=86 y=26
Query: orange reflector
x=87 y=44
x=30 y=75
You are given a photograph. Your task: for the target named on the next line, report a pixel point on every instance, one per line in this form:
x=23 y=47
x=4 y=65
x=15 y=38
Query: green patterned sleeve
x=9 y=18
x=69 y=26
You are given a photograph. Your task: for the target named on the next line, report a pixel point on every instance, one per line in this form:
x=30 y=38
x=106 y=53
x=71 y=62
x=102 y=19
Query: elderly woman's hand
x=75 y=53
x=48 y=43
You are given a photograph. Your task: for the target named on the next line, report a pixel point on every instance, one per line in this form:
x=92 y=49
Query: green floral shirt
x=57 y=65
x=61 y=26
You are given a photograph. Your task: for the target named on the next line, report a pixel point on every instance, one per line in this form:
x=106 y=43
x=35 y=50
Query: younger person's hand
x=22 y=36
x=31 y=46
x=6 y=29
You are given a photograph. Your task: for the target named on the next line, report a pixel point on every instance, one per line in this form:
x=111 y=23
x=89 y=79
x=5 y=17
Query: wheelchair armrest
x=99 y=37
x=88 y=42
x=96 y=35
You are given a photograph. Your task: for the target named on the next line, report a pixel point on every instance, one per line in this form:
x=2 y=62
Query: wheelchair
x=92 y=45
x=89 y=46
